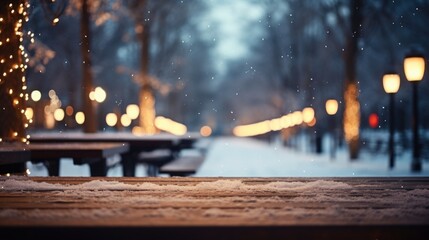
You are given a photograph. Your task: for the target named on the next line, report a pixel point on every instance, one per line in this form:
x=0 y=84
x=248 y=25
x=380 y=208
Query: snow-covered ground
x=247 y=157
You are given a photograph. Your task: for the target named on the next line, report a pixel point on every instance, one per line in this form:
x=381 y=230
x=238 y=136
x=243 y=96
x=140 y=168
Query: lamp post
x=414 y=68
x=391 y=83
x=331 y=106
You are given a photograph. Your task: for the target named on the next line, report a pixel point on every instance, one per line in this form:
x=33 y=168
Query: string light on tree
x=352 y=119
x=13 y=63
x=147 y=111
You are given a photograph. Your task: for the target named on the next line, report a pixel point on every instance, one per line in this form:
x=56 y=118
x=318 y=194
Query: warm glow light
x=206 y=131
x=49 y=120
x=125 y=120
x=168 y=125
x=147 y=112
x=133 y=111
x=80 y=118
x=59 y=114
x=13 y=58
x=137 y=130
x=414 y=68
x=275 y=124
x=297 y=118
x=92 y=96
x=252 y=129
x=308 y=114
x=52 y=93
x=373 y=120
x=99 y=94
x=290 y=120
x=286 y=121
x=391 y=82
x=331 y=106
x=55 y=21
x=29 y=113
x=36 y=95
x=111 y=119
x=351 y=114
x=312 y=123
x=69 y=110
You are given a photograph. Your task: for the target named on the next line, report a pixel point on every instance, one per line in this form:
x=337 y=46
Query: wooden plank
x=213 y=208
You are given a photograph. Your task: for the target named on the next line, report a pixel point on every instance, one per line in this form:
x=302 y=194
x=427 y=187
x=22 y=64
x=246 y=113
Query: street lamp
x=391 y=83
x=331 y=106
x=414 y=68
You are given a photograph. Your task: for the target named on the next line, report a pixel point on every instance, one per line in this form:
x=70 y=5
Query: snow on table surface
x=53 y=201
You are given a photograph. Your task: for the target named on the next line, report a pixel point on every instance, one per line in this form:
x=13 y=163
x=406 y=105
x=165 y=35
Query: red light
x=373 y=120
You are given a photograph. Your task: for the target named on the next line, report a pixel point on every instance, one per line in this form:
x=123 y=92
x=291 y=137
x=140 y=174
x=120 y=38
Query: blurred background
x=216 y=65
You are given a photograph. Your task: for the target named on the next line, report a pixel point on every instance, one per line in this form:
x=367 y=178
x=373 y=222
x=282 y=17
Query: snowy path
x=245 y=157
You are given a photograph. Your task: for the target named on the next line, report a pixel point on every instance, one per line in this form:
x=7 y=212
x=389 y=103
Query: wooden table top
x=76 y=150
x=215 y=208
x=146 y=142
x=116 y=136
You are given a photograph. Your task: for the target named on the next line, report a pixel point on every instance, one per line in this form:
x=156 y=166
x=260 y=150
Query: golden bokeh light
x=36 y=95
x=80 y=118
x=125 y=120
x=206 y=131
x=133 y=111
x=59 y=114
x=111 y=119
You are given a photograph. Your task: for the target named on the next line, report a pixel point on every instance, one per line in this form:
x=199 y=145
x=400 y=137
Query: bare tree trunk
x=146 y=98
x=12 y=69
x=90 y=124
x=351 y=91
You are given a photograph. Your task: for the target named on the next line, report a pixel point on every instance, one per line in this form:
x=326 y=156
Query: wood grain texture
x=215 y=208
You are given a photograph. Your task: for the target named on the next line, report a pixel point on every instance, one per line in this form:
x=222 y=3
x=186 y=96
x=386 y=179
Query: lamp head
x=331 y=106
x=391 y=82
x=414 y=65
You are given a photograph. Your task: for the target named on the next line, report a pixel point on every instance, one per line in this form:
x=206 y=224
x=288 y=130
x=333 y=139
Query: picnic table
x=137 y=143
x=95 y=154
x=13 y=158
x=10 y=154
x=214 y=208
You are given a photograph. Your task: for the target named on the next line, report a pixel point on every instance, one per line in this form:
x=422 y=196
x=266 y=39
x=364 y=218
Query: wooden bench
x=182 y=166
x=155 y=159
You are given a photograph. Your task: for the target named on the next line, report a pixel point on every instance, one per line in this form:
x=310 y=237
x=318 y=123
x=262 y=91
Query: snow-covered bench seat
x=182 y=166
x=155 y=159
